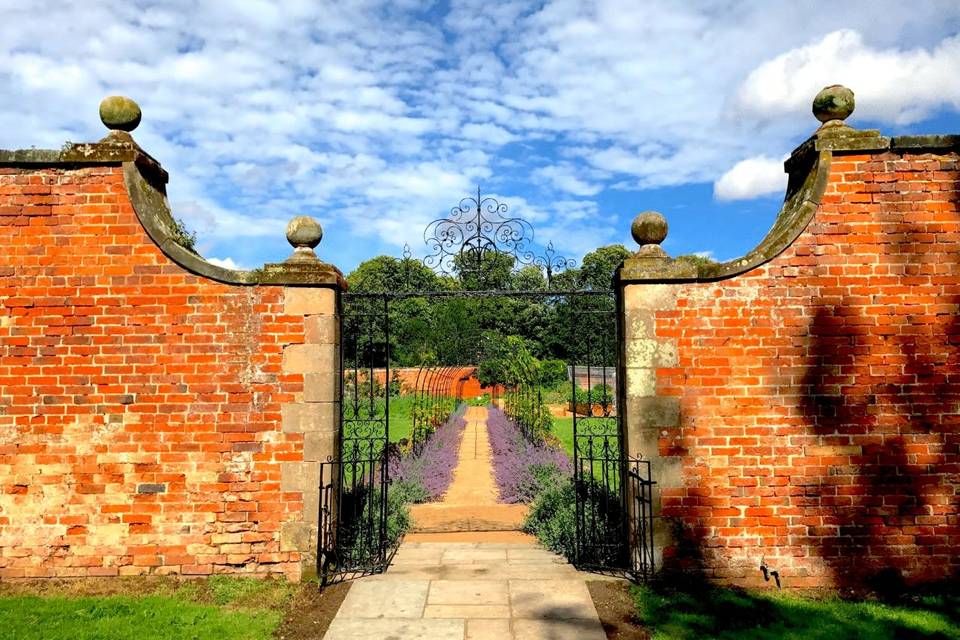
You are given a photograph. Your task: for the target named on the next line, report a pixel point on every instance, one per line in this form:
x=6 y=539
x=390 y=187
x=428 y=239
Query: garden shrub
x=432 y=412
x=553 y=516
x=183 y=236
x=399 y=495
x=410 y=491
x=355 y=533
x=553 y=373
x=601 y=394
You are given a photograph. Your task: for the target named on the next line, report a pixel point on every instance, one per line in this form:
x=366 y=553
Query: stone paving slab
x=395 y=629
x=467 y=611
x=488 y=629
x=480 y=571
x=380 y=599
x=575 y=629
x=471 y=556
x=419 y=542
x=551 y=599
x=533 y=555
x=419 y=557
x=526 y=592
x=470 y=592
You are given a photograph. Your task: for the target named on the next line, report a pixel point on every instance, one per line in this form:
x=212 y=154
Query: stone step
x=444 y=518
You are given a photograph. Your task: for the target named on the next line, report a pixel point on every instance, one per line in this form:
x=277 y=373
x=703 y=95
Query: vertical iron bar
x=384 y=467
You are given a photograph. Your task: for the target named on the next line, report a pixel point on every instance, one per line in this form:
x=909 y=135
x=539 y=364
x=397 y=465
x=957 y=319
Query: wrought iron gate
x=354 y=537
x=613 y=492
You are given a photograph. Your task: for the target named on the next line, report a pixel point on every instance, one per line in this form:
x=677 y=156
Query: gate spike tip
x=649 y=229
x=304 y=233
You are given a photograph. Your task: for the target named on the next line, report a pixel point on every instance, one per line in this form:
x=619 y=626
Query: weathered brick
x=808 y=417
x=161 y=392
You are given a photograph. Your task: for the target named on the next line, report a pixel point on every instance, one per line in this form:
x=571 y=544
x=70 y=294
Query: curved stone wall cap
x=808 y=168
x=806 y=185
x=150 y=204
x=844 y=138
x=145 y=180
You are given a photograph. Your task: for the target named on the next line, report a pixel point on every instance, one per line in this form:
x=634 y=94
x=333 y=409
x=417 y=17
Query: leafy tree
x=386 y=274
x=599 y=266
x=553 y=373
x=447 y=330
x=529 y=278
x=483 y=270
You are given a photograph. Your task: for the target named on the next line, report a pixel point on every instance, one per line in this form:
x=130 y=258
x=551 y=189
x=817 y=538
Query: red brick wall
x=451 y=381
x=122 y=374
x=820 y=393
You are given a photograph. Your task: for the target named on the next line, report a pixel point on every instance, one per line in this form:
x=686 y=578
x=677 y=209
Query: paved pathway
x=458 y=590
x=498 y=585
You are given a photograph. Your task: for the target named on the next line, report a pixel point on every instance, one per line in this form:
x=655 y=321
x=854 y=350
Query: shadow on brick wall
x=881 y=395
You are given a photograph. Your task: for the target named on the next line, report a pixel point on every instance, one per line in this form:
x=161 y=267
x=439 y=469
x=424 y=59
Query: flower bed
x=521 y=467
x=427 y=474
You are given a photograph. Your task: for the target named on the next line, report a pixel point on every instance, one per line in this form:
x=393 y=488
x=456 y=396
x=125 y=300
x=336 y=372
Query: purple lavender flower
x=432 y=467
x=518 y=464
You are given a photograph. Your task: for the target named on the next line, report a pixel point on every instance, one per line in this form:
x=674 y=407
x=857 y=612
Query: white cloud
x=226 y=263
x=564 y=177
x=751 y=178
x=890 y=84
x=487 y=132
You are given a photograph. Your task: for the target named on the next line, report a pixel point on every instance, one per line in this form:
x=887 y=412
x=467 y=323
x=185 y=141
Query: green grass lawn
x=728 y=614
x=221 y=607
x=401 y=417
x=563 y=429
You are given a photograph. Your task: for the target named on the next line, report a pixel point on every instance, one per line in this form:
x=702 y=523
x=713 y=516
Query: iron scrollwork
x=478 y=228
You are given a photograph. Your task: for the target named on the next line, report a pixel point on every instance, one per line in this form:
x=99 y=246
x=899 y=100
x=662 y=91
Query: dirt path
x=470 y=504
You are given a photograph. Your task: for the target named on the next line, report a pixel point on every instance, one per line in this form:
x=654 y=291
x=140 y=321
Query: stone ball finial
x=304 y=233
x=833 y=105
x=649 y=229
x=120 y=113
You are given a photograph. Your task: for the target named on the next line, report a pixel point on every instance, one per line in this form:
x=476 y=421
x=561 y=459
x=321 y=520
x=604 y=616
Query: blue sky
x=376 y=117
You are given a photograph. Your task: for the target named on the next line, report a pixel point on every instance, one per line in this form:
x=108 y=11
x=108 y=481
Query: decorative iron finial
x=649 y=229
x=551 y=262
x=119 y=113
x=304 y=233
x=833 y=105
